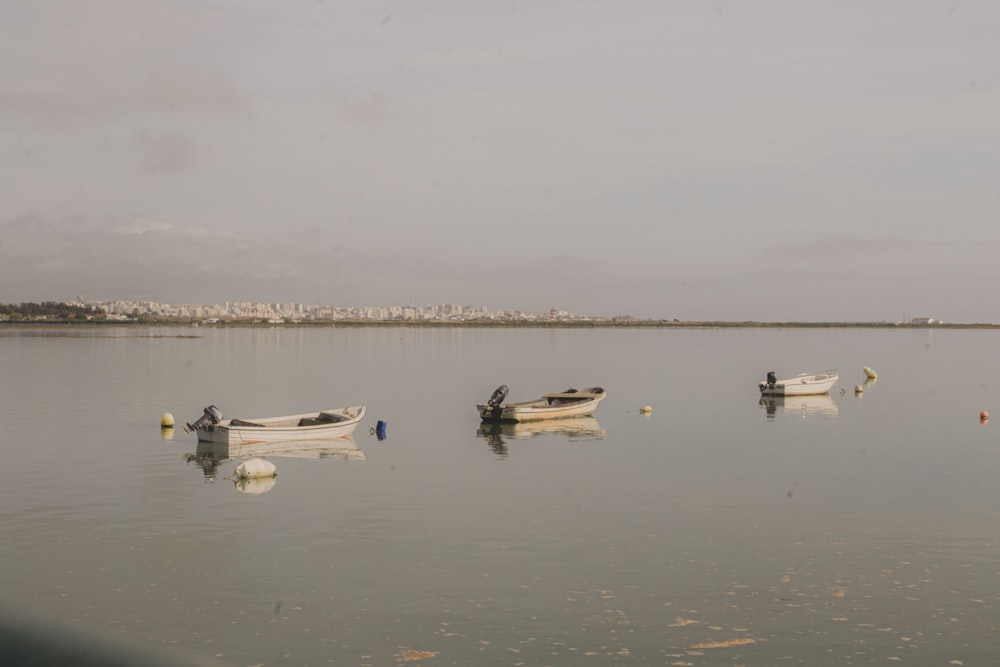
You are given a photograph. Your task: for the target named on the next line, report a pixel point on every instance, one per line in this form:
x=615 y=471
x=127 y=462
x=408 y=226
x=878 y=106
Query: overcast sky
x=771 y=160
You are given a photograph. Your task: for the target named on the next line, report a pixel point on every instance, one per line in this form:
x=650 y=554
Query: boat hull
x=551 y=406
x=801 y=385
x=307 y=426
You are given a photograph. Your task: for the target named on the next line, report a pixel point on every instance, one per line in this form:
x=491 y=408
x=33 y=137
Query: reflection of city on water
x=210 y=456
x=574 y=429
x=801 y=406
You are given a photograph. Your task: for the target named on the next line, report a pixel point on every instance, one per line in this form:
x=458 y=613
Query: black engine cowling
x=212 y=415
x=496 y=401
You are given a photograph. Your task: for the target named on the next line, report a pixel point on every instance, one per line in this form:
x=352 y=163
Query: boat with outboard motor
x=806 y=384
x=569 y=403
x=325 y=424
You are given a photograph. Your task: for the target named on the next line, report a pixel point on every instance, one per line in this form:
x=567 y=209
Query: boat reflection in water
x=573 y=429
x=802 y=406
x=210 y=455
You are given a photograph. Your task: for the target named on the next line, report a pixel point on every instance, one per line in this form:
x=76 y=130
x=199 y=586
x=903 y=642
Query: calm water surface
x=846 y=530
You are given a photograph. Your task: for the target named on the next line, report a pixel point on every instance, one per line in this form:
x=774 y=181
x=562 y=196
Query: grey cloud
x=364 y=106
x=43 y=258
x=185 y=89
x=42 y=110
x=180 y=92
x=142 y=227
x=574 y=283
x=64 y=63
x=164 y=152
x=846 y=246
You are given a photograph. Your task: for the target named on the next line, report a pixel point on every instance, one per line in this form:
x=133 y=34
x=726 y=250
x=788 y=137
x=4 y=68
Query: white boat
x=322 y=425
x=806 y=384
x=558 y=405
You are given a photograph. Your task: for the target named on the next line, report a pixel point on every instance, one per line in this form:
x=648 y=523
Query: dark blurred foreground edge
x=27 y=642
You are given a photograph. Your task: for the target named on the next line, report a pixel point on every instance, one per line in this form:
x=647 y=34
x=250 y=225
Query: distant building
x=924 y=320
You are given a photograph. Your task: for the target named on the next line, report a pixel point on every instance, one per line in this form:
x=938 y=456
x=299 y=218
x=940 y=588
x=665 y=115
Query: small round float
x=256 y=469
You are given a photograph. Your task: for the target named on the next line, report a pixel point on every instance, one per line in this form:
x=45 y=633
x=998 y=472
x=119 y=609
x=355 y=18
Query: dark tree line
x=50 y=309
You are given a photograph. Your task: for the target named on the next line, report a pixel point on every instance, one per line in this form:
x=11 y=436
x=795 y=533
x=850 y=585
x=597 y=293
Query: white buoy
x=256 y=469
x=646 y=410
x=870 y=374
x=167 y=420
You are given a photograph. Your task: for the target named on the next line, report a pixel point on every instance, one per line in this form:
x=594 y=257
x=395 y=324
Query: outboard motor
x=497 y=399
x=211 y=417
x=772 y=379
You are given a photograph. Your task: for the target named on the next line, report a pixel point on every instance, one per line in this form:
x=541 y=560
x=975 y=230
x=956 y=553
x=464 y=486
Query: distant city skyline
x=272 y=310
x=125 y=309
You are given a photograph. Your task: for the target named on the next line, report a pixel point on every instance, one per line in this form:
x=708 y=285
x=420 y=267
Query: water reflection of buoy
x=255 y=487
x=167 y=432
x=646 y=410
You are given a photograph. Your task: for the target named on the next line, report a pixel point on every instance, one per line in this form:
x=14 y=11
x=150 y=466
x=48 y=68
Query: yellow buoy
x=167 y=420
x=859 y=389
x=646 y=410
x=870 y=374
